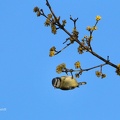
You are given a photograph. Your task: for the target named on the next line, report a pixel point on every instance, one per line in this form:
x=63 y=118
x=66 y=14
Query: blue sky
x=26 y=70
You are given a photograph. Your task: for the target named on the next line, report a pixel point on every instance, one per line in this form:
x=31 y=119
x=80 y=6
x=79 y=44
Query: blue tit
x=66 y=83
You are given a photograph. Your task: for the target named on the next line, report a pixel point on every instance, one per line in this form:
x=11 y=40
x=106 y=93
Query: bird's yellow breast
x=68 y=83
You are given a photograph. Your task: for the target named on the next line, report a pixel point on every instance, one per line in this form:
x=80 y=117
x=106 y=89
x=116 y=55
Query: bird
x=66 y=83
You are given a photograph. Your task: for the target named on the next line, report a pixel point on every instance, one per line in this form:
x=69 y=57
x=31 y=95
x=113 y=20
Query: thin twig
x=57 y=52
x=82 y=70
x=74 y=20
x=66 y=40
x=94 y=67
x=89 y=42
x=47 y=3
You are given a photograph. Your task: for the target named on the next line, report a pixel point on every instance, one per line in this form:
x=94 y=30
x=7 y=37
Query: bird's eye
x=56 y=82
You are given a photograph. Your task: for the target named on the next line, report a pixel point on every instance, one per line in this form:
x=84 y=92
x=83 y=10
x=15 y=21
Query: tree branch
x=87 y=46
x=57 y=52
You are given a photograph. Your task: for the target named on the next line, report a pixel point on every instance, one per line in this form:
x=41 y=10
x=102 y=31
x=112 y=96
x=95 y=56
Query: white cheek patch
x=55 y=83
x=58 y=83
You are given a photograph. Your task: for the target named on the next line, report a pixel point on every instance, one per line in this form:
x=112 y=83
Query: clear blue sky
x=26 y=70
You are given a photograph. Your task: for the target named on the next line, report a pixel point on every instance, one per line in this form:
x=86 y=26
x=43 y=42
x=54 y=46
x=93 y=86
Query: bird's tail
x=82 y=83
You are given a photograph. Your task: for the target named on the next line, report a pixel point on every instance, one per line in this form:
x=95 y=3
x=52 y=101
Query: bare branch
x=47 y=3
x=94 y=67
x=83 y=70
x=73 y=37
x=74 y=21
x=96 y=55
x=66 y=40
x=57 y=52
